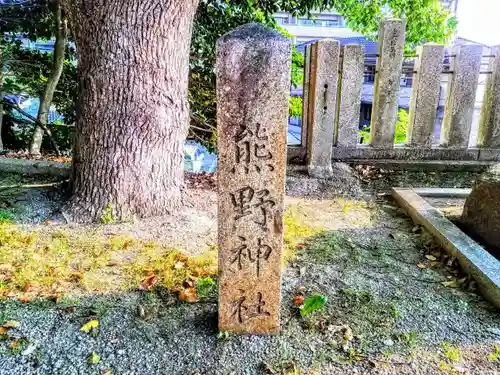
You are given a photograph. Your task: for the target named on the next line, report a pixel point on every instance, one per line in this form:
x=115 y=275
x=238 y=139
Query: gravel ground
x=402 y=318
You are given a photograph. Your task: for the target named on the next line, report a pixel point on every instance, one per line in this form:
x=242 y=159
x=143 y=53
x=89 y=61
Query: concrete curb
x=476 y=261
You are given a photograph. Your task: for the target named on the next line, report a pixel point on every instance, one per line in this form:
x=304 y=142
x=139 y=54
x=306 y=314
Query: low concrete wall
x=35 y=167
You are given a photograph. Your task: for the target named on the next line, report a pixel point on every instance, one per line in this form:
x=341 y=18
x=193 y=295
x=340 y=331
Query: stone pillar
x=461 y=96
x=253 y=87
x=305 y=94
x=322 y=102
x=351 y=86
x=391 y=40
x=489 y=126
x=425 y=95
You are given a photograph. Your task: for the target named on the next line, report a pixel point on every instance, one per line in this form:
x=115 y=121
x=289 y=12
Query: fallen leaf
x=431 y=257
x=11 y=324
x=148 y=283
x=450 y=284
x=89 y=326
x=24 y=298
x=311 y=304
x=298 y=300
x=107 y=372
x=3 y=331
x=188 y=295
x=94 y=358
x=179 y=265
x=421 y=266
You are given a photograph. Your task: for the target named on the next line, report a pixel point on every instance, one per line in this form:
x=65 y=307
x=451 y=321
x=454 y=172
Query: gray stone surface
x=351 y=85
x=476 y=261
x=489 y=126
x=387 y=82
x=322 y=99
x=253 y=87
x=425 y=95
x=482 y=212
x=461 y=96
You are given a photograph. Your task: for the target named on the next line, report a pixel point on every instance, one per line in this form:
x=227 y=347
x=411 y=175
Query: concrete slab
x=475 y=260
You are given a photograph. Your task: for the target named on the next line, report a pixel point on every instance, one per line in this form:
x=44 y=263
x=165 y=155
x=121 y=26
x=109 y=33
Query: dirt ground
x=395 y=303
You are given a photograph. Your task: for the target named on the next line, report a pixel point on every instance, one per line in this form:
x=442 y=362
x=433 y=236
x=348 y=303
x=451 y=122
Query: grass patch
x=326 y=247
x=296 y=233
x=41 y=264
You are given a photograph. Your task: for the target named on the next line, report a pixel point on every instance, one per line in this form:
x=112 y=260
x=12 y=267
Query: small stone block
x=461 y=96
x=253 y=88
x=489 y=126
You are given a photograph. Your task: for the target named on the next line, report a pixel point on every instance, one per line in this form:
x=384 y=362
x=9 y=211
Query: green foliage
x=205 y=288
x=426 y=20
x=6 y=217
x=295 y=108
x=314 y=303
x=400 y=134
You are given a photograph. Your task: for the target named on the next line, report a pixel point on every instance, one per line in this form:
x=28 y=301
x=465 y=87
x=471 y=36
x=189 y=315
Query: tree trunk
x=48 y=94
x=133 y=115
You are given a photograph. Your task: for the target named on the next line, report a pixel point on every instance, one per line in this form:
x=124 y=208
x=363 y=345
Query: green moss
x=452 y=353
x=107 y=215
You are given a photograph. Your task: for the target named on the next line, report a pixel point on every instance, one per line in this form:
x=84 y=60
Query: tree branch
x=39 y=123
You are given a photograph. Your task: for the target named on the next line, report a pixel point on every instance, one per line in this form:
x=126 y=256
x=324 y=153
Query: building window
x=306 y=22
x=369 y=74
x=282 y=20
x=333 y=21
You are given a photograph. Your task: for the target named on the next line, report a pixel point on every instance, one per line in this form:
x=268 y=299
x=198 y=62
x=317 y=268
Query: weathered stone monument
x=253 y=87
x=482 y=212
x=391 y=40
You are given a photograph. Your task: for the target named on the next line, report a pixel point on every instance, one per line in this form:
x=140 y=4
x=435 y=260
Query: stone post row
x=253 y=88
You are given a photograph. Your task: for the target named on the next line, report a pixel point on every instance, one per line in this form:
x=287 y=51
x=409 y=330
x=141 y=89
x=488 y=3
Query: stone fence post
x=253 y=88
x=489 y=126
x=461 y=96
x=391 y=42
x=425 y=95
x=325 y=55
x=351 y=86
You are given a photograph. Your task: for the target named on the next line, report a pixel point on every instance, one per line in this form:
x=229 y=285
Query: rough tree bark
x=50 y=88
x=132 y=117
